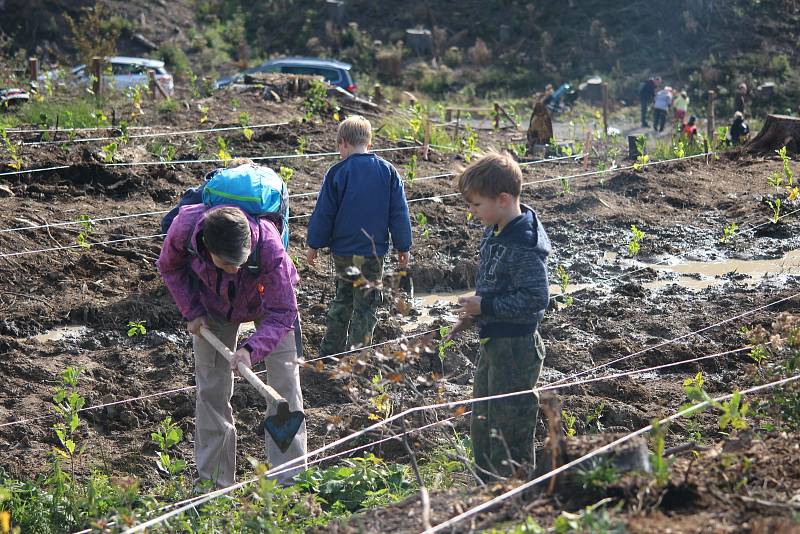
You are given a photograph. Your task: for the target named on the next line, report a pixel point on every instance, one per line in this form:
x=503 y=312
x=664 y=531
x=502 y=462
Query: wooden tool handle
x=266 y=391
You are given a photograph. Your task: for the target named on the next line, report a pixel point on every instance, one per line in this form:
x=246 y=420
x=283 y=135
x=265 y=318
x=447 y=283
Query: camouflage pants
x=503 y=429
x=352 y=314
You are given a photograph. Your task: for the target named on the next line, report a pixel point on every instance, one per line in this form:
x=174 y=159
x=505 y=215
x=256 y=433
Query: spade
x=283 y=424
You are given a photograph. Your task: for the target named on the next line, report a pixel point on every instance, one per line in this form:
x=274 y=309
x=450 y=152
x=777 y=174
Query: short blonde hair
x=491 y=175
x=355 y=130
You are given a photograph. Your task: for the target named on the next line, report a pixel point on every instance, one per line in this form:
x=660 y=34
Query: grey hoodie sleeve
x=530 y=292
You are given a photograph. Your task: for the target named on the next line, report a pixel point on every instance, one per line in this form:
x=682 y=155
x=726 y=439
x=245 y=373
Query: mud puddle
x=701 y=275
x=71 y=332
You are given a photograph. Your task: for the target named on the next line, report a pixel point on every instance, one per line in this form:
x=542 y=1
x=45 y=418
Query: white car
x=126 y=72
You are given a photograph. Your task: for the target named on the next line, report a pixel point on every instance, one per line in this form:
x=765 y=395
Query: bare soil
x=682 y=207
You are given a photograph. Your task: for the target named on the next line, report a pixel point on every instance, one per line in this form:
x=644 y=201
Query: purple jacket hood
x=261 y=291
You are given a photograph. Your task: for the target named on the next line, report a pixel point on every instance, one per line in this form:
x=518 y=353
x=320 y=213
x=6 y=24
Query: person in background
x=647 y=91
x=738 y=132
x=740 y=98
x=690 y=130
x=661 y=105
x=681 y=106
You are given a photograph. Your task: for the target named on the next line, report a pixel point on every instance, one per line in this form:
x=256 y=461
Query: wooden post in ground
x=605 y=109
x=97 y=75
x=155 y=87
x=378 y=94
x=496 y=116
x=151 y=75
x=458 y=120
x=33 y=69
x=427 y=141
x=448 y=115
x=710 y=114
x=587 y=147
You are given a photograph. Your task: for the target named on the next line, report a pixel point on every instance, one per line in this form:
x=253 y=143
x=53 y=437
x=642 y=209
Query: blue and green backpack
x=256 y=189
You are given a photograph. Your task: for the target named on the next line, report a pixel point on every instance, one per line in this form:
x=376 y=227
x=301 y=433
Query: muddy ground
x=619 y=307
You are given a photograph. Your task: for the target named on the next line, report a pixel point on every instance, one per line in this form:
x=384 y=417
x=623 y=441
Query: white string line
x=314 y=462
x=161 y=212
x=210 y=160
x=194 y=502
x=546 y=180
x=433 y=177
x=67 y=247
x=295 y=217
x=673 y=340
x=686 y=411
x=190 y=388
x=93 y=129
x=157 y=134
x=349 y=437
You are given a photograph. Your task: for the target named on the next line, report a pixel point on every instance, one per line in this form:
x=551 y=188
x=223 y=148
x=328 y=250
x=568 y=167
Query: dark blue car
x=335 y=72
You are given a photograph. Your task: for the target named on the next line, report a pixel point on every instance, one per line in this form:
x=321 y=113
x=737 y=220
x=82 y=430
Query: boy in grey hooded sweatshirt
x=511 y=296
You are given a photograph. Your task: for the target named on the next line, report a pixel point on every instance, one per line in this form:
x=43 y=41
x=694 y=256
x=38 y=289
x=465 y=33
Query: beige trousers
x=215 y=432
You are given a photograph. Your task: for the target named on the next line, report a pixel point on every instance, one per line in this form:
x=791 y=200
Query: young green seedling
x=136 y=328
x=411 y=170
x=286 y=173
x=422 y=221
x=222 y=150
x=729 y=232
x=634 y=246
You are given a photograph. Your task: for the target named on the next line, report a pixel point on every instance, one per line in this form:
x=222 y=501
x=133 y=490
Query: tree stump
x=540 y=130
x=778 y=131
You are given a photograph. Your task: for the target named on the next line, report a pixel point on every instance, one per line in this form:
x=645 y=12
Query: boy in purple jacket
x=224 y=268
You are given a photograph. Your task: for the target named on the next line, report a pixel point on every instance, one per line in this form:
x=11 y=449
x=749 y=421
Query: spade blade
x=284 y=425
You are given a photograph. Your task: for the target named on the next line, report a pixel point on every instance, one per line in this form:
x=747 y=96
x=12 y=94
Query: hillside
x=478 y=47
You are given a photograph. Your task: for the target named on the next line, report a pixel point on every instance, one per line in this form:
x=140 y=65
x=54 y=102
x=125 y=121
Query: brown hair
x=355 y=130
x=235 y=162
x=491 y=175
x=226 y=233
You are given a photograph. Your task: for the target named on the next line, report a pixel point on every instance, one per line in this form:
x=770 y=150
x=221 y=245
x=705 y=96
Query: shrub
x=175 y=59
x=96 y=33
x=389 y=63
x=480 y=54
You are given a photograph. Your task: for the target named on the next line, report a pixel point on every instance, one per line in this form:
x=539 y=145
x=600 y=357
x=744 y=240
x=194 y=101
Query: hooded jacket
x=512 y=277
x=361 y=196
x=262 y=290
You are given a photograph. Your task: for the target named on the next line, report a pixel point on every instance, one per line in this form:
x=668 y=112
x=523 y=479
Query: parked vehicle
x=13 y=97
x=335 y=72
x=126 y=72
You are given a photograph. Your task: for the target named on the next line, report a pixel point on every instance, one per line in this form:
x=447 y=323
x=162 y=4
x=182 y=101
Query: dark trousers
x=352 y=315
x=502 y=430
x=645 y=106
x=659 y=119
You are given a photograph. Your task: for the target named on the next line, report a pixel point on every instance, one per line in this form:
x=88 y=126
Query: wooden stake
x=587 y=147
x=458 y=120
x=605 y=109
x=496 y=116
x=378 y=98
x=97 y=74
x=427 y=142
x=155 y=87
x=151 y=74
x=710 y=113
x=33 y=68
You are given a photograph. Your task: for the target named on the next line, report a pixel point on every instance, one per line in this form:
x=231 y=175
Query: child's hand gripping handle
x=266 y=391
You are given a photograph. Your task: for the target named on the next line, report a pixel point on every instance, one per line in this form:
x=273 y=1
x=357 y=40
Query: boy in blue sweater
x=361 y=202
x=511 y=294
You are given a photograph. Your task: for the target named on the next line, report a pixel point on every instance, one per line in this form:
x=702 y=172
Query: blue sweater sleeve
x=320 y=227
x=399 y=221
